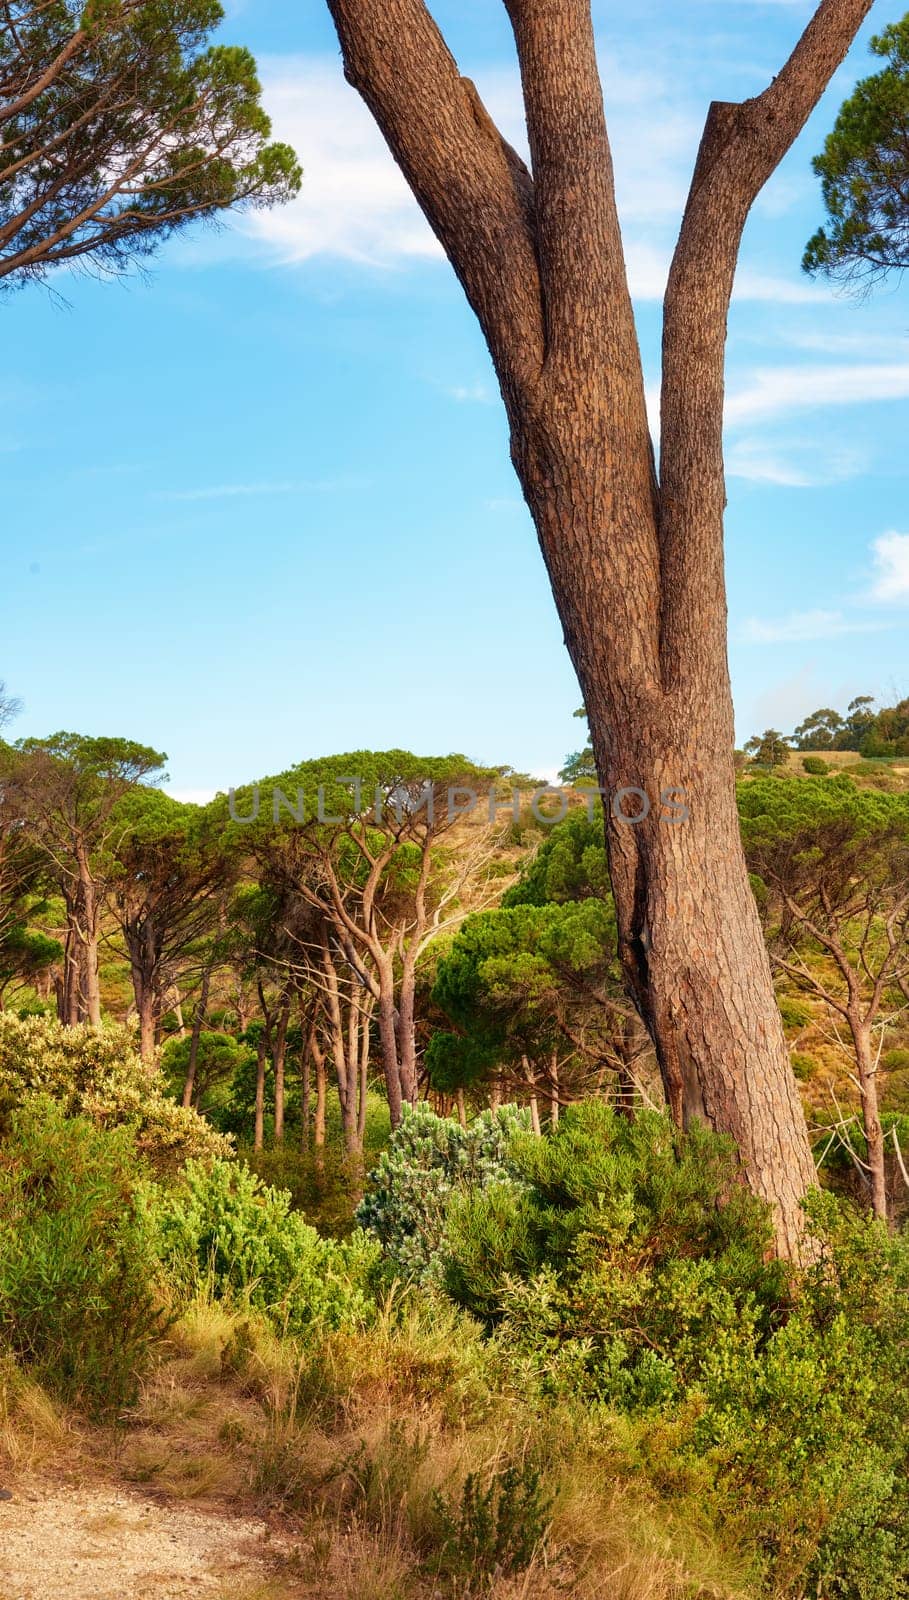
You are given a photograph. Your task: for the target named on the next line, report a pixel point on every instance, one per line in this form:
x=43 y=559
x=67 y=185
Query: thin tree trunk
x=148 y=1021
x=406 y=1031
x=280 y=1057
x=344 y=1044
x=388 y=1040
x=261 y=1055
x=198 y=1024
x=308 y=1034
x=91 y=982
x=318 y=1135
x=461 y=1107
x=68 y=996
x=532 y=1102
x=871 y=1120
x=554 y=1090
x=364 y=1077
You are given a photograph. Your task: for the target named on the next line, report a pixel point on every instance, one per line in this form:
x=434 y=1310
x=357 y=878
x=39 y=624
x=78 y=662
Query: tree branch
x=458 y=166
x=741 y=147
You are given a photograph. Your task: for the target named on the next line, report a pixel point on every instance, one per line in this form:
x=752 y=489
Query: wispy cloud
x=865 y=342
x=891 y=567
x=800 y=627
x=795 y=464
x=477 y=394
x=774 y=391
x=231 y=491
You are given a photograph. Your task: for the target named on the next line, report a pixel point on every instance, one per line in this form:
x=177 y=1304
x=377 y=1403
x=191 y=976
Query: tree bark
x=279 y=1060
x=636 y=562
x=259 y=1125
x=146 y=1005
x=198 y=1024
x=871 y=1120
x=318 y=1131
x=88 y=934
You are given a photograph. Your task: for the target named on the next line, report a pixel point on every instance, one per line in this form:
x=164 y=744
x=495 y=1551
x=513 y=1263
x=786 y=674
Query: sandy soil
x=102 y=1543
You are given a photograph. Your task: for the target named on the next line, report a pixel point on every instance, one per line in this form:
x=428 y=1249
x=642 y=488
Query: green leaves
x=864 y=172
x=225 y=1228
x=121 y=124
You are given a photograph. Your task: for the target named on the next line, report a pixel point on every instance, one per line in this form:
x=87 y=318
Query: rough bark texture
x=636 y=562
x=871 y=1120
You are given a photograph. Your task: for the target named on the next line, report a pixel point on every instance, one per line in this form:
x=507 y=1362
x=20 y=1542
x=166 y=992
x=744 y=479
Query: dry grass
x=352 y=1449
x=34 y=1430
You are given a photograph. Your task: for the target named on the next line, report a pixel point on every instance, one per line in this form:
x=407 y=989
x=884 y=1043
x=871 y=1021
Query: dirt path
x=101 y=1542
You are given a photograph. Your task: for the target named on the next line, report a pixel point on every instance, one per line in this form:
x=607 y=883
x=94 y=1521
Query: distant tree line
x=870 y=733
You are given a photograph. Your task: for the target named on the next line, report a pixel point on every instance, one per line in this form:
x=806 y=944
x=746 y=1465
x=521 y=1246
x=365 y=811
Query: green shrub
x=815 y=767
x=325 y=1184
x=427 y=1160
x=630 y=1271
x=498 y=1525
x=79 y=1298
x=795 y=1013
x=803 y=1065
x=98 y=1073
x=223 y=1226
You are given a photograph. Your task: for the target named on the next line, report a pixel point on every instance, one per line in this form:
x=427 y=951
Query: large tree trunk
x=871 y=1119
x=636 y=562
x=690 y=940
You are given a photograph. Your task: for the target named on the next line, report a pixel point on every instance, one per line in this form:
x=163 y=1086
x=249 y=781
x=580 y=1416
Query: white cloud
x=861 y=343
x=774 y=391
x=231 y=491
x=477 y=394
x=801 y=626
x=765 y=286
x=355 y=202
x=192 y=797
x=891 y=564
x=797 y=464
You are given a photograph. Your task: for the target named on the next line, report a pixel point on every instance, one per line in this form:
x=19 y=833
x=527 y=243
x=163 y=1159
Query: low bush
x=631 y=1270
x=815 y=767
x=98 y=1073
x=223 y=1227
x=428 y=1159
x=80 y=1295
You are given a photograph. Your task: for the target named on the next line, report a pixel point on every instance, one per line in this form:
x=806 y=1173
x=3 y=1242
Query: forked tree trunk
x=636 y=561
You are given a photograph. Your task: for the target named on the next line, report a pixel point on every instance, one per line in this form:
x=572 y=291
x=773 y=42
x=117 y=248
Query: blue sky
x=258 y=506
